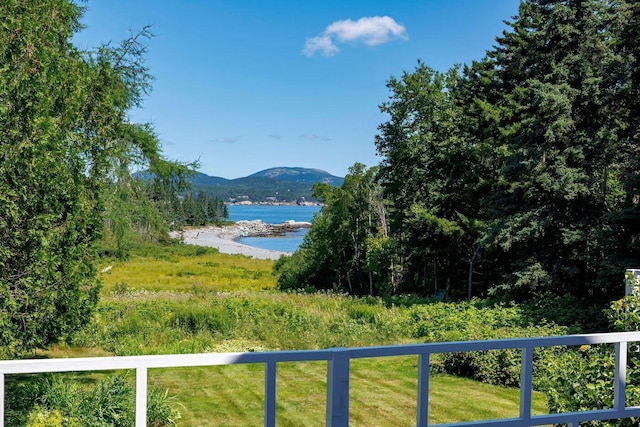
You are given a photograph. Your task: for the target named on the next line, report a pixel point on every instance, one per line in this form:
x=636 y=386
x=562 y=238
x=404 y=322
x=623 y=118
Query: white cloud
x=321 y=43
x=372 y=31
x=314 y=137
x=275 y=136
x=226 y=140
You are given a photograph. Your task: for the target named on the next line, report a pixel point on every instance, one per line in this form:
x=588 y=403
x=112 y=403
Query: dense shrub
x=500 y=367
x=578 y=379
x=41 y=417
x=478 y=320
x=51 y=401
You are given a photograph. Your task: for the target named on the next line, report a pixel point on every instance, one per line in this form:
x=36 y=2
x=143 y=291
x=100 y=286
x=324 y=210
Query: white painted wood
x=141 y=397
x=620 y=385
x=2 y=400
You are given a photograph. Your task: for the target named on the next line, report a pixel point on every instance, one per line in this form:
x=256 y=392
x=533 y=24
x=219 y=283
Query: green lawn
x=382 y=393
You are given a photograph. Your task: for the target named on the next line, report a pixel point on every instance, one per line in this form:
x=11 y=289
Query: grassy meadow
x=186 y=299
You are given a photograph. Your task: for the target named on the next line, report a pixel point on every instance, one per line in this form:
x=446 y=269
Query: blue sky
x=249 y=85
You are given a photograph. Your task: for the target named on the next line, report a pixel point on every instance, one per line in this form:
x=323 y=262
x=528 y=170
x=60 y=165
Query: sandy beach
x=223 y=239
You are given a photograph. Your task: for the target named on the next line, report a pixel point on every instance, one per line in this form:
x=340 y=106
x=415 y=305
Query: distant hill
x=301 y=175
x=282 y=184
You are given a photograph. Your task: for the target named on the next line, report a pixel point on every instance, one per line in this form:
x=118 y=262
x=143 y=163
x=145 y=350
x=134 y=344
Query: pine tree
x=556 y=183
x=626 y=220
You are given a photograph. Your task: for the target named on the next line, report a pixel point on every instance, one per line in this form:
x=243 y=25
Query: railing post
x=1 y=400
x=270 y=394
x=422 y=418
x=526 y=380
x=141 y=397
x=338 y=388
x=620 y=378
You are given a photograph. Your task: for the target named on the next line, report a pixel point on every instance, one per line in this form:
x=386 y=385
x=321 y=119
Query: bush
x=292 y=271
x=499 y=367
x=51 y=401
x=41 y=417
x=582 y=379
x=160 y=413
x=477 y=320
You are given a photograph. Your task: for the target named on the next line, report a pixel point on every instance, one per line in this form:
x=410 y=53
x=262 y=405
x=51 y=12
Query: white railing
x=337 y=409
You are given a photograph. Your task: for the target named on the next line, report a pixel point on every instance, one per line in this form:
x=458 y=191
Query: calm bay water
x=274 y=215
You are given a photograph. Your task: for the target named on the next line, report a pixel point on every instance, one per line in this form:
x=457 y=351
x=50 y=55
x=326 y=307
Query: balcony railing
x=337 y=404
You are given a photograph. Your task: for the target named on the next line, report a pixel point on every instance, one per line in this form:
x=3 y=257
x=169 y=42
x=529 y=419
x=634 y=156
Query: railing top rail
x=158 y=361
x=497 y=344
x=210 y=359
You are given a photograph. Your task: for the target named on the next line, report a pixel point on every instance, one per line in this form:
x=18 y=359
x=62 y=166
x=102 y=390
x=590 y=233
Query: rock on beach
x=225 y=238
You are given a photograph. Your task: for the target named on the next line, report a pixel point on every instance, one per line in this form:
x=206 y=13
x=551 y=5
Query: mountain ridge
x=280 y=173
x=283 y=184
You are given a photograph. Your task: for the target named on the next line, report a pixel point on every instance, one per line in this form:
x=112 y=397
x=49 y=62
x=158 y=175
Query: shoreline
x=224 y=239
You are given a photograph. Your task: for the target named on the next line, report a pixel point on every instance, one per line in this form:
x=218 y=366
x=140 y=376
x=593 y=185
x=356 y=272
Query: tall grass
x=184 y=268
x=78 y=400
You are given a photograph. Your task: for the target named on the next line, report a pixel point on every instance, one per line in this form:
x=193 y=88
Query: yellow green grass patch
x=180 y=268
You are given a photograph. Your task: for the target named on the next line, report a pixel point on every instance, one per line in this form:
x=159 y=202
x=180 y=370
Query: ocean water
x=274 y=215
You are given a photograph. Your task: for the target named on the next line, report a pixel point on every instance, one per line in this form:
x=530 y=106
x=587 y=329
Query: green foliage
x=432 y=177
x=500 y=367
x=49 y=204
x=61 y=400
x=342 y=250
x=198 y=210
x=583 y=379
x=132 y=320
x=160 y=411
x=40 y=417
x=578 y=379
x=559 y=180
x=478 y=321
x=65 y=143
x=294 y=272
x=579 y=315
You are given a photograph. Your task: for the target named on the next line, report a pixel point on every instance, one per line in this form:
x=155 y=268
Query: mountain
x=282 y=184
x=200 y=178
x=303 y=175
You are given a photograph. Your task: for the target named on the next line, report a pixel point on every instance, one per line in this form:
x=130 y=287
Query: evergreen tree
x=216 y=209
x=189 y=209
x=200 y=209
x=64 y=135
x=556 y=184
x=524 y=167
x=626 y=220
